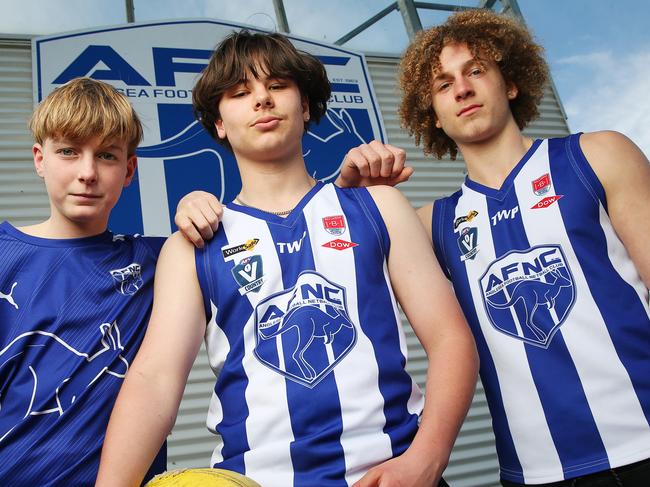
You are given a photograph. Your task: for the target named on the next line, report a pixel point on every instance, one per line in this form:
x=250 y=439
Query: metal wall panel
x=23 y=200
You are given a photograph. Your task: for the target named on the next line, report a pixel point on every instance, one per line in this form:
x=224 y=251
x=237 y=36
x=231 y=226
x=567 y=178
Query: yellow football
x=201 y=477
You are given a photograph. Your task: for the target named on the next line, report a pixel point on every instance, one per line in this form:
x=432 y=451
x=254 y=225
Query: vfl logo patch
x=542 y=185
x=236 y=249
x=546 y=202
x=128 y=280
x=462 y=219
x=340 y=244
x=334 y=224
x=468 y=243
x=249 y=274
x=305 y=331
x=528 y=294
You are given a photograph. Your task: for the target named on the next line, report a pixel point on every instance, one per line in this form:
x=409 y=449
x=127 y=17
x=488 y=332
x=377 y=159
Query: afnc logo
x=305 y=331
x=191 y=159
x=528 y=294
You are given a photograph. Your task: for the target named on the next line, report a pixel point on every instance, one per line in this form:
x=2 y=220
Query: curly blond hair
x=489 y=36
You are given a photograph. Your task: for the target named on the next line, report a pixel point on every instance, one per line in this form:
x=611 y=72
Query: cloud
x=611 y=93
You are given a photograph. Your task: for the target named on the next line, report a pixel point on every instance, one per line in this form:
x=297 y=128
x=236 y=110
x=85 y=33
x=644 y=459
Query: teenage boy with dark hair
x=546 y=245
x=302 y=323
x=74 y=297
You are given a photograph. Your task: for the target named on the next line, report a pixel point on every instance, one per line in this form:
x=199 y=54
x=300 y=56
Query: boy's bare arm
x=197 y=216
x=428 y=301
x=624 y=172
x=148 y=402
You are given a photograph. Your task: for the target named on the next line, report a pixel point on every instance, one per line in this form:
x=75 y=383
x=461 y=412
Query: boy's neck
x=275 y=187
x=53 y=229
x=489 y=162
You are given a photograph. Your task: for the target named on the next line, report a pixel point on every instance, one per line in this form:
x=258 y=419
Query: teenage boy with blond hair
x=296 y=289
x=74 y=297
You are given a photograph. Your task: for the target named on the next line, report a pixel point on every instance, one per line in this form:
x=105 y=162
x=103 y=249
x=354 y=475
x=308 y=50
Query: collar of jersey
x=9 y=229
x=501 y=193
x=290 y=219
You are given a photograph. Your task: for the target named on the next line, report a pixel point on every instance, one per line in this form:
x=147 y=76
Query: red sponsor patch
x=542 y=184
x=334 y=224
x=546 y=202
x=339 y=244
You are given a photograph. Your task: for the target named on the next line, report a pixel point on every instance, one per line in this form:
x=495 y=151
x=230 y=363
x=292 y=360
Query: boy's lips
x=89 y=196
x=266 y=122
x=468 y=110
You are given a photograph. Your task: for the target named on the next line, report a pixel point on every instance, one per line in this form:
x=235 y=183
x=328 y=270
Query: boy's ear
x=131 y=165
x=305 y=108
x=37 y=152
x=221 y=128
x=512 y=91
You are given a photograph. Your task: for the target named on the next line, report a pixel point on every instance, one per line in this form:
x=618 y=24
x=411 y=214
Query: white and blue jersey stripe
x=306 y=340
x=559 y=314
x=73 y=313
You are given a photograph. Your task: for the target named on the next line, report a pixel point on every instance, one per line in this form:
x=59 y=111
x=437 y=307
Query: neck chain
x=278 y=213
x=238 y=199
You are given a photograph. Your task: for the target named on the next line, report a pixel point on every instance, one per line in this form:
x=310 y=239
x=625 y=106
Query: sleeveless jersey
x=559 y=314
x=306 y=339
x=72 y=316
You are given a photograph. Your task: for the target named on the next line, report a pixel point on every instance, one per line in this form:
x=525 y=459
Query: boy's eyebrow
x=465 y=65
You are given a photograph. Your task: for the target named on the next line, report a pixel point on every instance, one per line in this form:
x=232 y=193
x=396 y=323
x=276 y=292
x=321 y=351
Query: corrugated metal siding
x=473 y=461
x=23 y=199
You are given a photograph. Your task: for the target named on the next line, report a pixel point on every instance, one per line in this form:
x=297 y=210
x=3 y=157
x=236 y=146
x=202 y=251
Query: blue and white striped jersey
x=72 y=316
x=559 y=313
x=306 y=340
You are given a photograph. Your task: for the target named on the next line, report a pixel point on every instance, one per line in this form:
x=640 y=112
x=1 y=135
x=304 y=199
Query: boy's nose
x=87 y=169
x=463 y=89
x=263 y=99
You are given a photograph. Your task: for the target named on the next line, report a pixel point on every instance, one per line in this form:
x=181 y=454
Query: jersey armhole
x=584 y=170
x=437 y=219
x=155 y=244
x=204 y=276
x=373 y=214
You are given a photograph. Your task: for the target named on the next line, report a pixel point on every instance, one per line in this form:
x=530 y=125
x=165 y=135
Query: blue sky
x=598 y=50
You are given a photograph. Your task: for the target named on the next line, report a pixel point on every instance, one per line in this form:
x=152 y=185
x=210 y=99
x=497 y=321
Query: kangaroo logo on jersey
x=465 y=218
x=528 y=294
x=9 y=296
x=236 y=249
x=249 y=274
x=542 y=185
x=334 y=224
x=128 y=279
x=48 y=374
x=305 y=331
x=468 y=243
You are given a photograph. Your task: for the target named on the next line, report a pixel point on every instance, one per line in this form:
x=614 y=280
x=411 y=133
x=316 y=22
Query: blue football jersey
x=559 y=313
x=73 y=314
x=306 y=340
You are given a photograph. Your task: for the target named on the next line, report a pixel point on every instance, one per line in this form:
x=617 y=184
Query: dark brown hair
x=489 y=36
x=244 y=53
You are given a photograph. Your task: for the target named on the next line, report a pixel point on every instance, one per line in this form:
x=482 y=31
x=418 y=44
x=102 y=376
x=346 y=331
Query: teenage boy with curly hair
x=298 y=289
x=546 y=246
